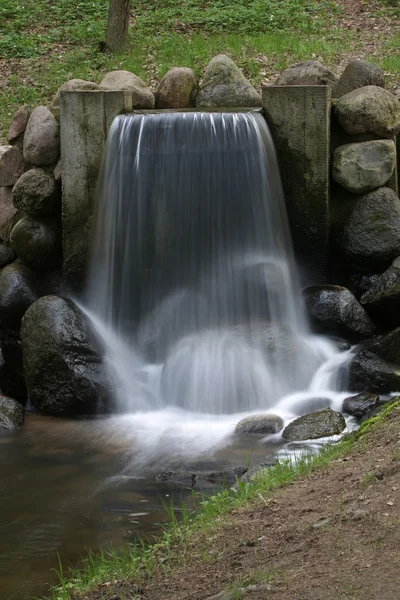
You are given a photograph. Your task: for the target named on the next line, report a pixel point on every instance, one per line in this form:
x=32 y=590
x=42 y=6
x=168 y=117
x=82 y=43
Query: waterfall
x=193 y=283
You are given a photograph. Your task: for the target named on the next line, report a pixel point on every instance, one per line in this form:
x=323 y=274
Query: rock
x=364 y=166
x=224 y=85
x=382 y=298
x=369 y=109
x=62 y=359
x=180 y=479
x=223 y=478
x=11 y=165
x=368 y=371
x=260 y=424
x=371 y=232
x=37 y=242
x=18 y=123
x=303 y=406
x=35 y=193
x=7 y=255
x=358 y=74
x=19 y=288
x=177 y=89
x=253 y=472
x=333 y=309
x=71 y=86
x=309 y=72
x=142 y=96
x=57 y=173
x=361 y=404
x=12 y=414
x=42 y=138
x=322 y=423
x=7 y=213
x=12 y=380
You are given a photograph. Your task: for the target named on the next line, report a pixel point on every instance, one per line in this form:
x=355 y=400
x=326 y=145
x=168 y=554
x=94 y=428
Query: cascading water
x=193 y=284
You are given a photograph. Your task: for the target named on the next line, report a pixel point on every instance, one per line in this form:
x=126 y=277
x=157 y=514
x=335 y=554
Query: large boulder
x=42 y=138
x=371 y=234
x=260 y=424
x=360 y=405
x=71 y=86
x=358 y=74
x=7 y=213
x=18 y=124
x=37 y=242
x=35 y=193
x=11 y=165
x=177 y=89
x=334 y=309
x=142 y=96
x=369 y=109
x=12 y=414
x=309 y=72
x=382 y=298
x=19 y=288
x=62 y=359
x=322 y=423
x=376 y=367
x=364 y=166
x=223 y=86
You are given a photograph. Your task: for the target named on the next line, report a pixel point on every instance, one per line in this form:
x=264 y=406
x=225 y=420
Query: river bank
x=326 y=527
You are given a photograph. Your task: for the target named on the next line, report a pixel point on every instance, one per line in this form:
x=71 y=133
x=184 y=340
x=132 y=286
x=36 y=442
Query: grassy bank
x=45 y=43
x=199 y=536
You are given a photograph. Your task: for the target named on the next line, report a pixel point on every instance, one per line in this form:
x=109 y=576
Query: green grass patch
x=137 y=561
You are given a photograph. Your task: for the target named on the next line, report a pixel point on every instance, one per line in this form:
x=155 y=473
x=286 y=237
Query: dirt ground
x=333 y=535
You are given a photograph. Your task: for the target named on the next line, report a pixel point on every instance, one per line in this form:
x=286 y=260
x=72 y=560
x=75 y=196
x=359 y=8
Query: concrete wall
x=299 y=119
x=85 y=119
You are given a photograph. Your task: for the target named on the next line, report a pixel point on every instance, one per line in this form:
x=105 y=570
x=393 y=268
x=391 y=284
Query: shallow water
x=59 y=493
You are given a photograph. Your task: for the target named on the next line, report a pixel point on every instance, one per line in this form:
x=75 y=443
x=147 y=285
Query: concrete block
x=85 y=118
x=299 y=119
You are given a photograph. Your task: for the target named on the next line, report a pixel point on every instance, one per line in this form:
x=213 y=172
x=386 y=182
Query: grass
x=136 y=562
x=43 y=43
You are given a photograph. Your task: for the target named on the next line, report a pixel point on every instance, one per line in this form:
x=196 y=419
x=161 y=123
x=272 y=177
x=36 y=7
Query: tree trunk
x=117 y=25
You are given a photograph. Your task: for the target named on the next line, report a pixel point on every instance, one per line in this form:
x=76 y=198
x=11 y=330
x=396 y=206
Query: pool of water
x=68 y=486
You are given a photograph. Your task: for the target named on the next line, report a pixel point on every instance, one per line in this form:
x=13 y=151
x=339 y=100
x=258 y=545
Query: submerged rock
x=371 y=233
x=62 y=359
x=333 y=309
x=142 y=96
x=361 y=404
x=180 y=479
x=369 y=109
x=37 y=242
x=177 y=89
x=260 y=424
x=224 y=86
x=322 y=423
x=364 y=166
x=309 y=72
x=12 y=414
x=358 y=74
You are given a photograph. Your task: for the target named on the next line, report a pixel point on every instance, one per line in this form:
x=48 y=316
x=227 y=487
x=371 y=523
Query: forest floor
x=330 y=532
x=44 y=43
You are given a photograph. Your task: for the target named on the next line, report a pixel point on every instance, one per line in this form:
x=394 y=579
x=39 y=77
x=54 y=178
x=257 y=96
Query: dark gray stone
x=12 y=380
x=7 y=255
x=224 y=86
x=322 y=423
x=369 y=109
x=12 y=414
x=358 y=74
x=35 y=193
x=361 y=404
x=179 y=479
x=7 y=213
x=260 y=424
x=37 y=242
x=11 y=165
x=62 y=359
x=371 y=233
x=19 y=288
x=382 y=298
x=42 y=138
x=309 y=72
x=333 y=309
